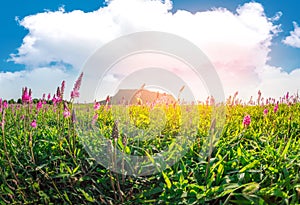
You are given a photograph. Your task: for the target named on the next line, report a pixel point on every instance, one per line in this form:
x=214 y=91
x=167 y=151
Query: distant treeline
x=34 y=101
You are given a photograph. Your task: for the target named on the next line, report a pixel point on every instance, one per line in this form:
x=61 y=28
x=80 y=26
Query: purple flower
x=266 y=111
x=275 y=108
x=54 y=100
x=26 y=96
x=96 y=106
x=5 y=104
x=33 y=124
x=74 y=94
x=39 y=105
x=247 y=120
x=63 y=85
x=66 y=113
x=75 y=91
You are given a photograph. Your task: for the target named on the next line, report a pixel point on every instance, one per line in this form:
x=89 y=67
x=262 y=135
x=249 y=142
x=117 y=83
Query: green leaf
x=251 y=188
x=167 y=180
x=76 y=169
x=283 y=154
x=239 y=152
x=87 y=196
x=249 y=166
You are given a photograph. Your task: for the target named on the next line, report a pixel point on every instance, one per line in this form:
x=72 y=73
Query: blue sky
x=283 y=56
x=12 y=35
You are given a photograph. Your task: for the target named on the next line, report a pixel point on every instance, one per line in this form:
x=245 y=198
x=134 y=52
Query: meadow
x=256 y=159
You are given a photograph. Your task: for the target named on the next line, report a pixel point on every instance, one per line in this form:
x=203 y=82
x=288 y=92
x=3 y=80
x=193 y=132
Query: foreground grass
x=255 y=164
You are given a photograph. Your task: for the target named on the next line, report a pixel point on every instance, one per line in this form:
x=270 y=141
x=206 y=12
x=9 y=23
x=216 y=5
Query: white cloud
x=41 y=80
x=294 y=38
x=238 y=43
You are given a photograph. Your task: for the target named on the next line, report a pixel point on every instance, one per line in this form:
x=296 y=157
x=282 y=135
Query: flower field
x=255 y=161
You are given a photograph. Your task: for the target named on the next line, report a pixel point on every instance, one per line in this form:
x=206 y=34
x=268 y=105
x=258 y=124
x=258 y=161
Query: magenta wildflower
x=96 y=106
x=74 y=94
x=266 y=111
x=5 y=104
x=75 y=91
x=275 y=108
x=62 y=89
x=33 y=124
x=58 y=95
x=247 y=120
x=49 y=96
x=26 y=96
x=39 y=105
x=66 y=113
x=54 y=100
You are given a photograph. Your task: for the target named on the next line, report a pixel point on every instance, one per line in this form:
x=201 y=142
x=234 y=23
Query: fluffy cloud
x=40 y=80
x=237 y=43
x=294 y=38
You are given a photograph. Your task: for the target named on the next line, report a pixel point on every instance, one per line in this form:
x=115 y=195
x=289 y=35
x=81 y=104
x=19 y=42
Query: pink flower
x=247 y=120
x=33 y=124
x=62 y=89
x=58 y=93
x=55 y=100
x=96 y=106
x=75 y=91
x=266 y=111
x=39 y=105
x=26 y=96
x=74 y=94
x=275 y=108
x=49 y=96
x=66 y=113
x=5 y=104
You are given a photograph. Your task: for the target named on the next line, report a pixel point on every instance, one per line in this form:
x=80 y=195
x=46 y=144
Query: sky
x=253 y=45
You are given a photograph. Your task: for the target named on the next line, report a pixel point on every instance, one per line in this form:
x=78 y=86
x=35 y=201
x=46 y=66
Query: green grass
x=258 y=164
